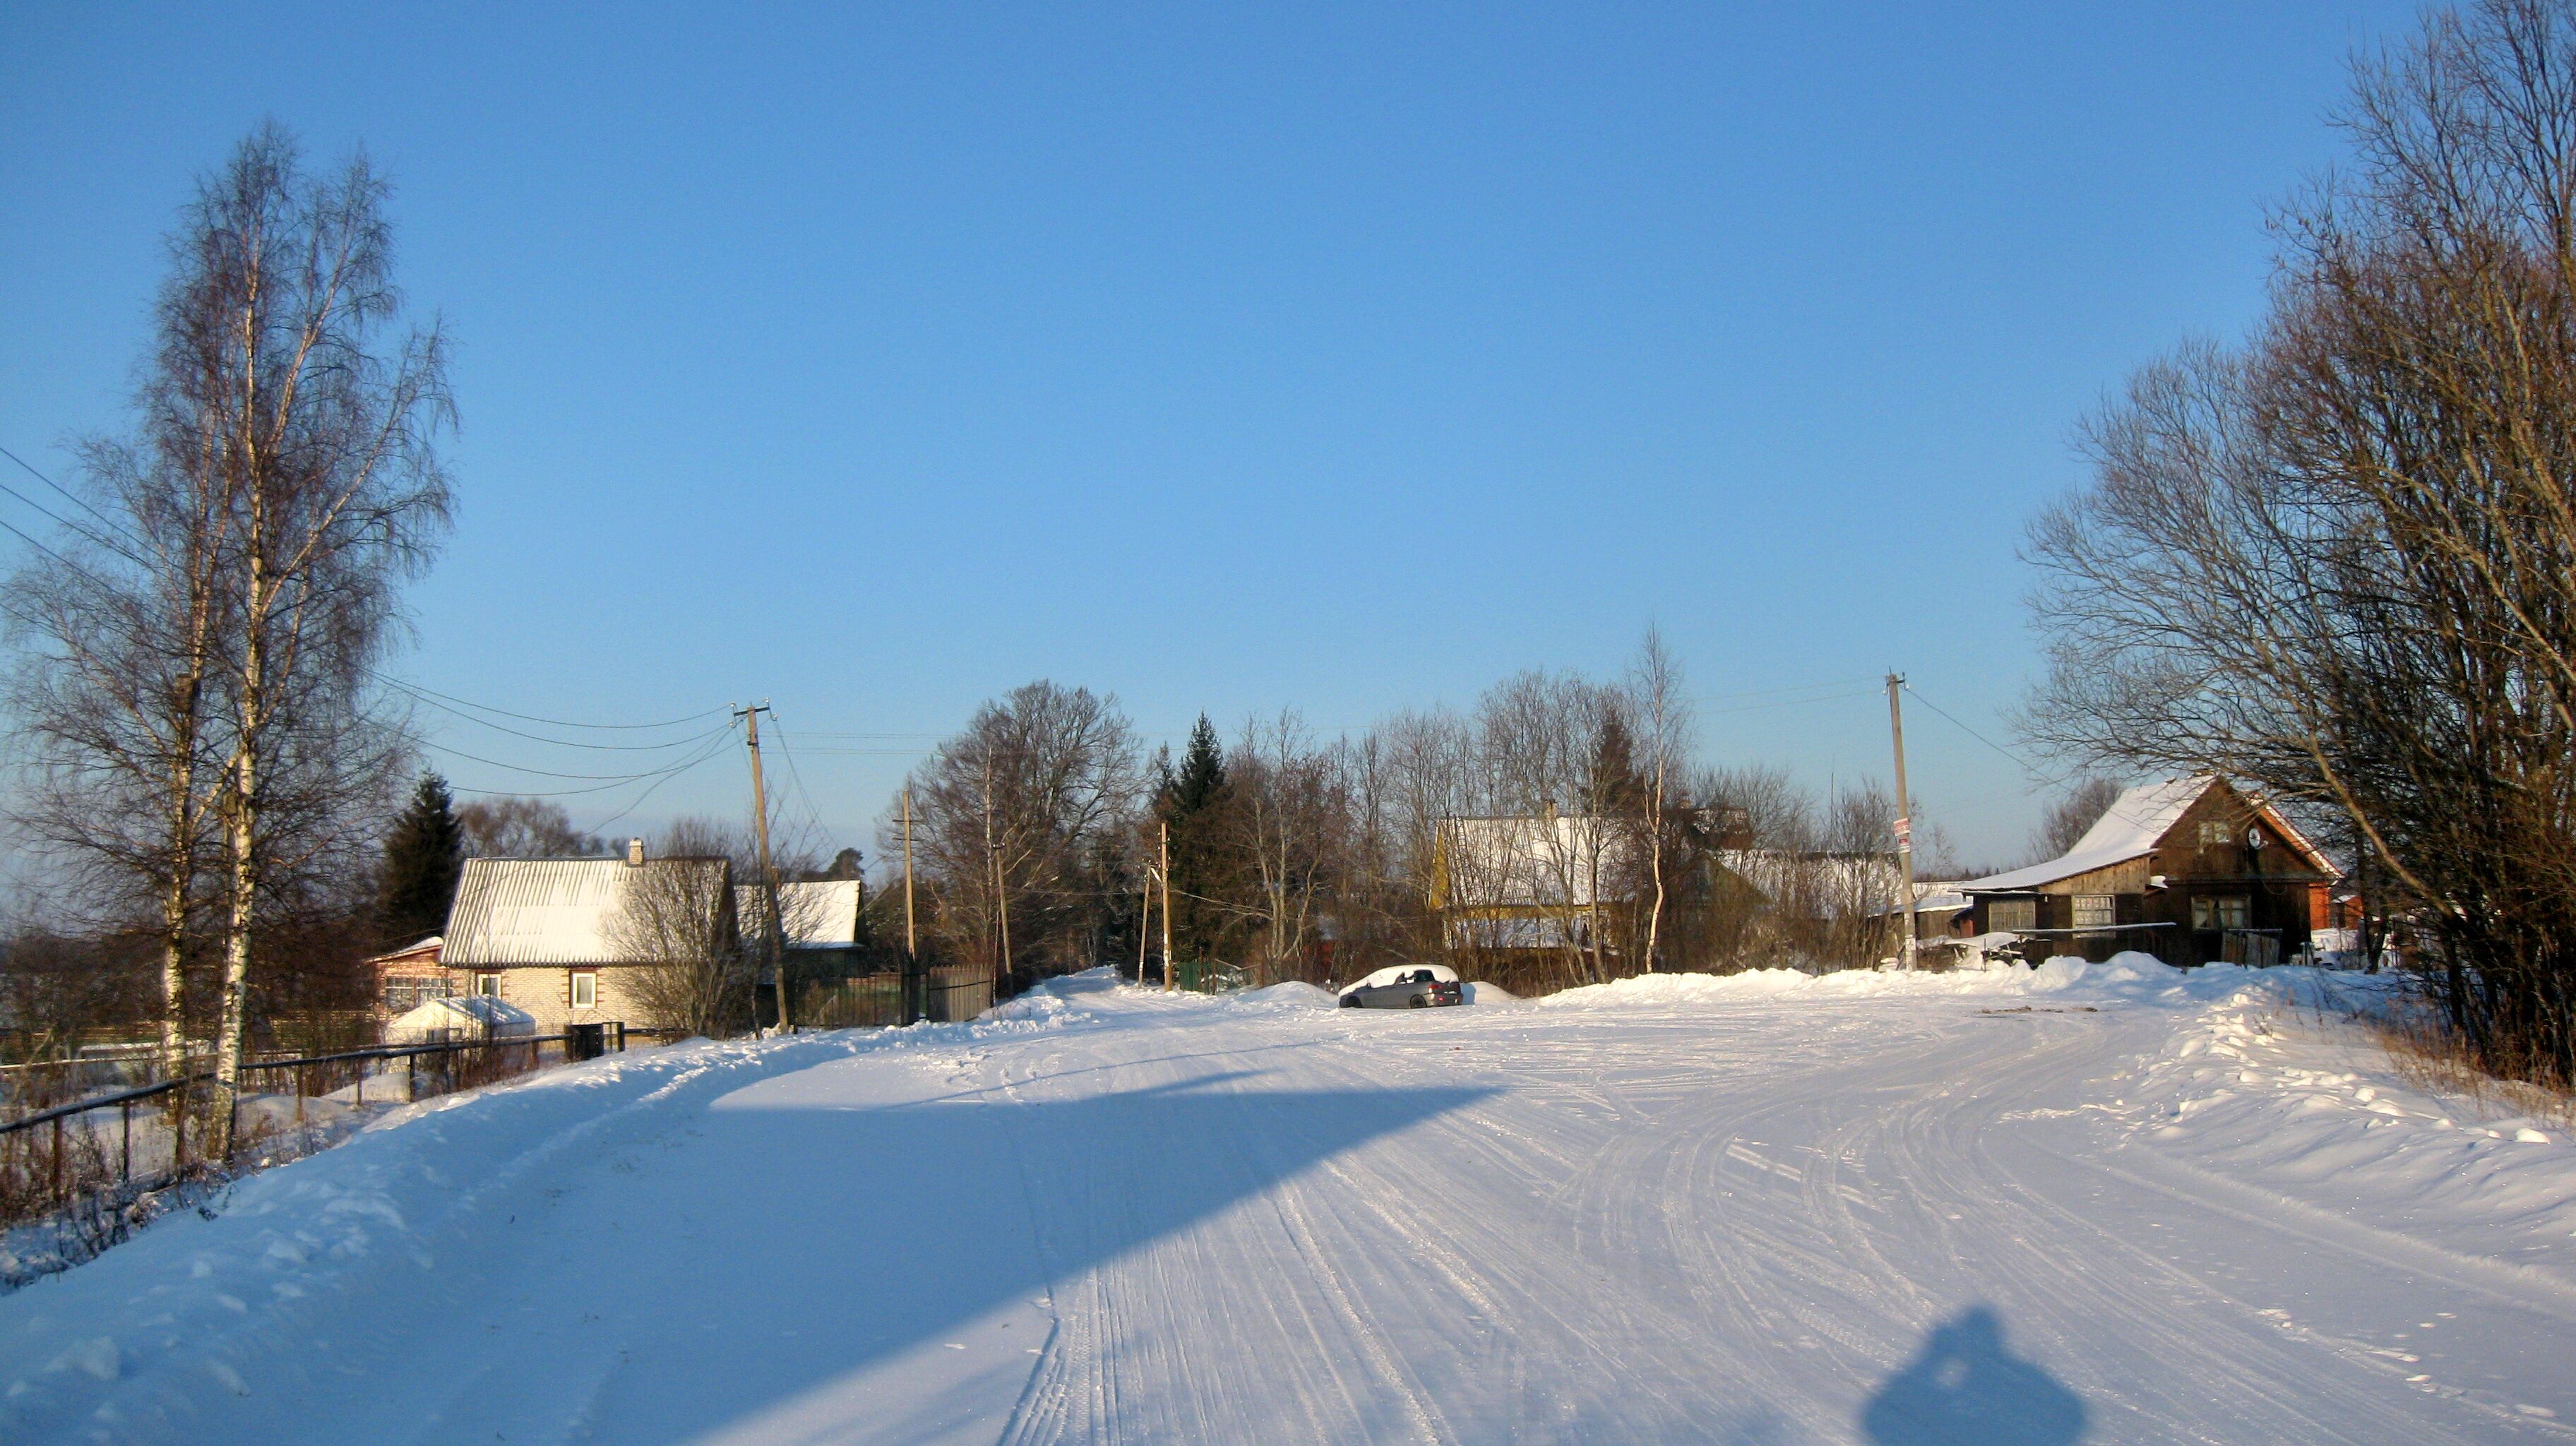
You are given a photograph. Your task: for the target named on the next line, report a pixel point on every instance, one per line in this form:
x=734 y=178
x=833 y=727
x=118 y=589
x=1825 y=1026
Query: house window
x=585 y=989
x=2211 y=913
x=2215 y=835
x=488 y=985
x=2007 y=915
x=2094 y=911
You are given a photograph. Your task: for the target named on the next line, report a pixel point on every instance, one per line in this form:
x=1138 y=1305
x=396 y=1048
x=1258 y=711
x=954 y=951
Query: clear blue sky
x=1218 y=357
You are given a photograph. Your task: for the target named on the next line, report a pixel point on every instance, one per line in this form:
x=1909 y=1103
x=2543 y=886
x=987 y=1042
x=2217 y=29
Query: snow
x=2116 y=1201
x=461 y=1016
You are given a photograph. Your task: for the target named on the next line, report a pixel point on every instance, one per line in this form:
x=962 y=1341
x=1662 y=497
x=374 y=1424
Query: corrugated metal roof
x=547 y=911
x=821 y=915
x=1529 y=862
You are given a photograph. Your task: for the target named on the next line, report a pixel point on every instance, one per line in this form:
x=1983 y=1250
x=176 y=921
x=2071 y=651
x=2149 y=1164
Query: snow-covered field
x=2105 y=1204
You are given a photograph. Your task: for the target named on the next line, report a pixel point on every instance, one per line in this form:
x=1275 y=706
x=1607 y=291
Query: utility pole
x=1144 y=922
x=1904 y=807
x=911 y=950
x=1167 y=908
x=768 y=875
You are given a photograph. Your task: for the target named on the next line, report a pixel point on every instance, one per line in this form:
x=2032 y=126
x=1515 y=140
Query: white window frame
x=2215 y=834
x=2096 y=911
x=585 y=981
x=488 y=984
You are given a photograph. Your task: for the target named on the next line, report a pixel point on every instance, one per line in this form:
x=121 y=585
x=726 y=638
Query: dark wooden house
x=2191 y=870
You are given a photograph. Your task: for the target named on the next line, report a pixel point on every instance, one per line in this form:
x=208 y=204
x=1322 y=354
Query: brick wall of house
x=545 y=991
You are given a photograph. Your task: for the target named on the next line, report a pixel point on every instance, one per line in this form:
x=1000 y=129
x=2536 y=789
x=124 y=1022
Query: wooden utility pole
x=911 y=949
x=1144 y=922
x=1166 y=872
x=774 y=925
x=1904 y=807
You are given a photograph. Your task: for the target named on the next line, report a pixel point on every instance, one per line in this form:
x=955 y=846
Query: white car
x=1406 y=986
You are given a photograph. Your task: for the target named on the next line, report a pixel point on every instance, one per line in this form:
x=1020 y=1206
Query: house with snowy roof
x=2191 y=870
x=564 y=939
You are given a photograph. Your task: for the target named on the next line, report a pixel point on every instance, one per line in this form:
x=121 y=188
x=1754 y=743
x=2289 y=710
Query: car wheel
x=1417 y=1002
x=1350 y=1001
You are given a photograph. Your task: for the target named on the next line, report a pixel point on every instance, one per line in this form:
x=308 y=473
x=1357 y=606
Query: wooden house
x=2191 y=870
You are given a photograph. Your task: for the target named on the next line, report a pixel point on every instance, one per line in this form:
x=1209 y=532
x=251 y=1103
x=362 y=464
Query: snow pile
x=2129 y=975
x=329 y=1238
x=2252 y=1090
x=1292 y=995
x=1479 y=993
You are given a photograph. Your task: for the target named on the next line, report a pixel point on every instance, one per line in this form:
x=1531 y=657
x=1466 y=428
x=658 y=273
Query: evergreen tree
x=423 y=857
x=1194 y=802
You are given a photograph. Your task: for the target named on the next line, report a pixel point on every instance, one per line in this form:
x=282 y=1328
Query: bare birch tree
x=319 y=424
x=1290 y=816
x=1661 y=708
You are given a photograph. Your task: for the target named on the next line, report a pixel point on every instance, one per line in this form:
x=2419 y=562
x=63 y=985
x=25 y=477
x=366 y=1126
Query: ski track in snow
x=2108 y=1204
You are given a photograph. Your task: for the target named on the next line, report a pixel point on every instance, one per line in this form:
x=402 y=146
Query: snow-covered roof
x=1550 y=862
x=551 y=911
x=2131 y=828
x=1819 y=883
x=2127 y=830
x=821 y=915
x=462 y=1014
x=426 y=950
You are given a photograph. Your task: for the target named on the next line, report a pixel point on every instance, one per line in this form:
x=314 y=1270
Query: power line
x=412 y=691
x=712 y=750
x=549 y=722
x=77 y=500
x=612 y=778
x=796 y=775
x=2024 y=763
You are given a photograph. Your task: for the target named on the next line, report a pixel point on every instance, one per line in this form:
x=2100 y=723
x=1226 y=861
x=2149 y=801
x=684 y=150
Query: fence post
x=411 y=1076
x=360 y=1088
x=58 y=1159
x=125 y=1152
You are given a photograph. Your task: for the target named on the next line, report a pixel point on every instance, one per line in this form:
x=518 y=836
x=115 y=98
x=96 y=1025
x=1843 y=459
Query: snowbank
x=327 y=1239
x=2129 y=975
x=1479 y=993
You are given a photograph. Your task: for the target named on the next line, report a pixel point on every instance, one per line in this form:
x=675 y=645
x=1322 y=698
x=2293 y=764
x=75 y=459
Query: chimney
x=635 y=853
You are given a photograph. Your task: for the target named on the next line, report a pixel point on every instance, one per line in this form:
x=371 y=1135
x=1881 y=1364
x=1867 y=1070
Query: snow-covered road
x=2120 y=1206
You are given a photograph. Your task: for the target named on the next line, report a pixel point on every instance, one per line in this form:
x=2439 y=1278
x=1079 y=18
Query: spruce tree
x=423 y=857
x=1194 y=803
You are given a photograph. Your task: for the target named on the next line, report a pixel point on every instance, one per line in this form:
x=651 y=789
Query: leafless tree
x=2340 y=561
x=676 y=921
x=319 y=434
x=117 y=652
x=509 y=826
x=1661 y=708
x=1290 y=820
x=1005 y=814
x=2071 y=817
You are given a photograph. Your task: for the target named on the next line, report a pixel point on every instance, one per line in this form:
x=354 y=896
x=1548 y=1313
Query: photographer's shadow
x=1966 y=1388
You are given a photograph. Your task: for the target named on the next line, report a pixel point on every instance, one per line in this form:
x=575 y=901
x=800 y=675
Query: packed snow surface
x=2086 y=1202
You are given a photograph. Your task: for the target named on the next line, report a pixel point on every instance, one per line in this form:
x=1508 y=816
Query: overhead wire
x=77 y=500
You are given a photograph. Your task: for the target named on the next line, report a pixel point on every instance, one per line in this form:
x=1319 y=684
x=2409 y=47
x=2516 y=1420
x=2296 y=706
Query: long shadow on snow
x=1966 y=1389
x=748 y=1287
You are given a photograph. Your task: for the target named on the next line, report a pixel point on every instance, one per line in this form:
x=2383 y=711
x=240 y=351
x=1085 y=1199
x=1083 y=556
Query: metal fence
x=56 y=1157
x=892 y=1000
